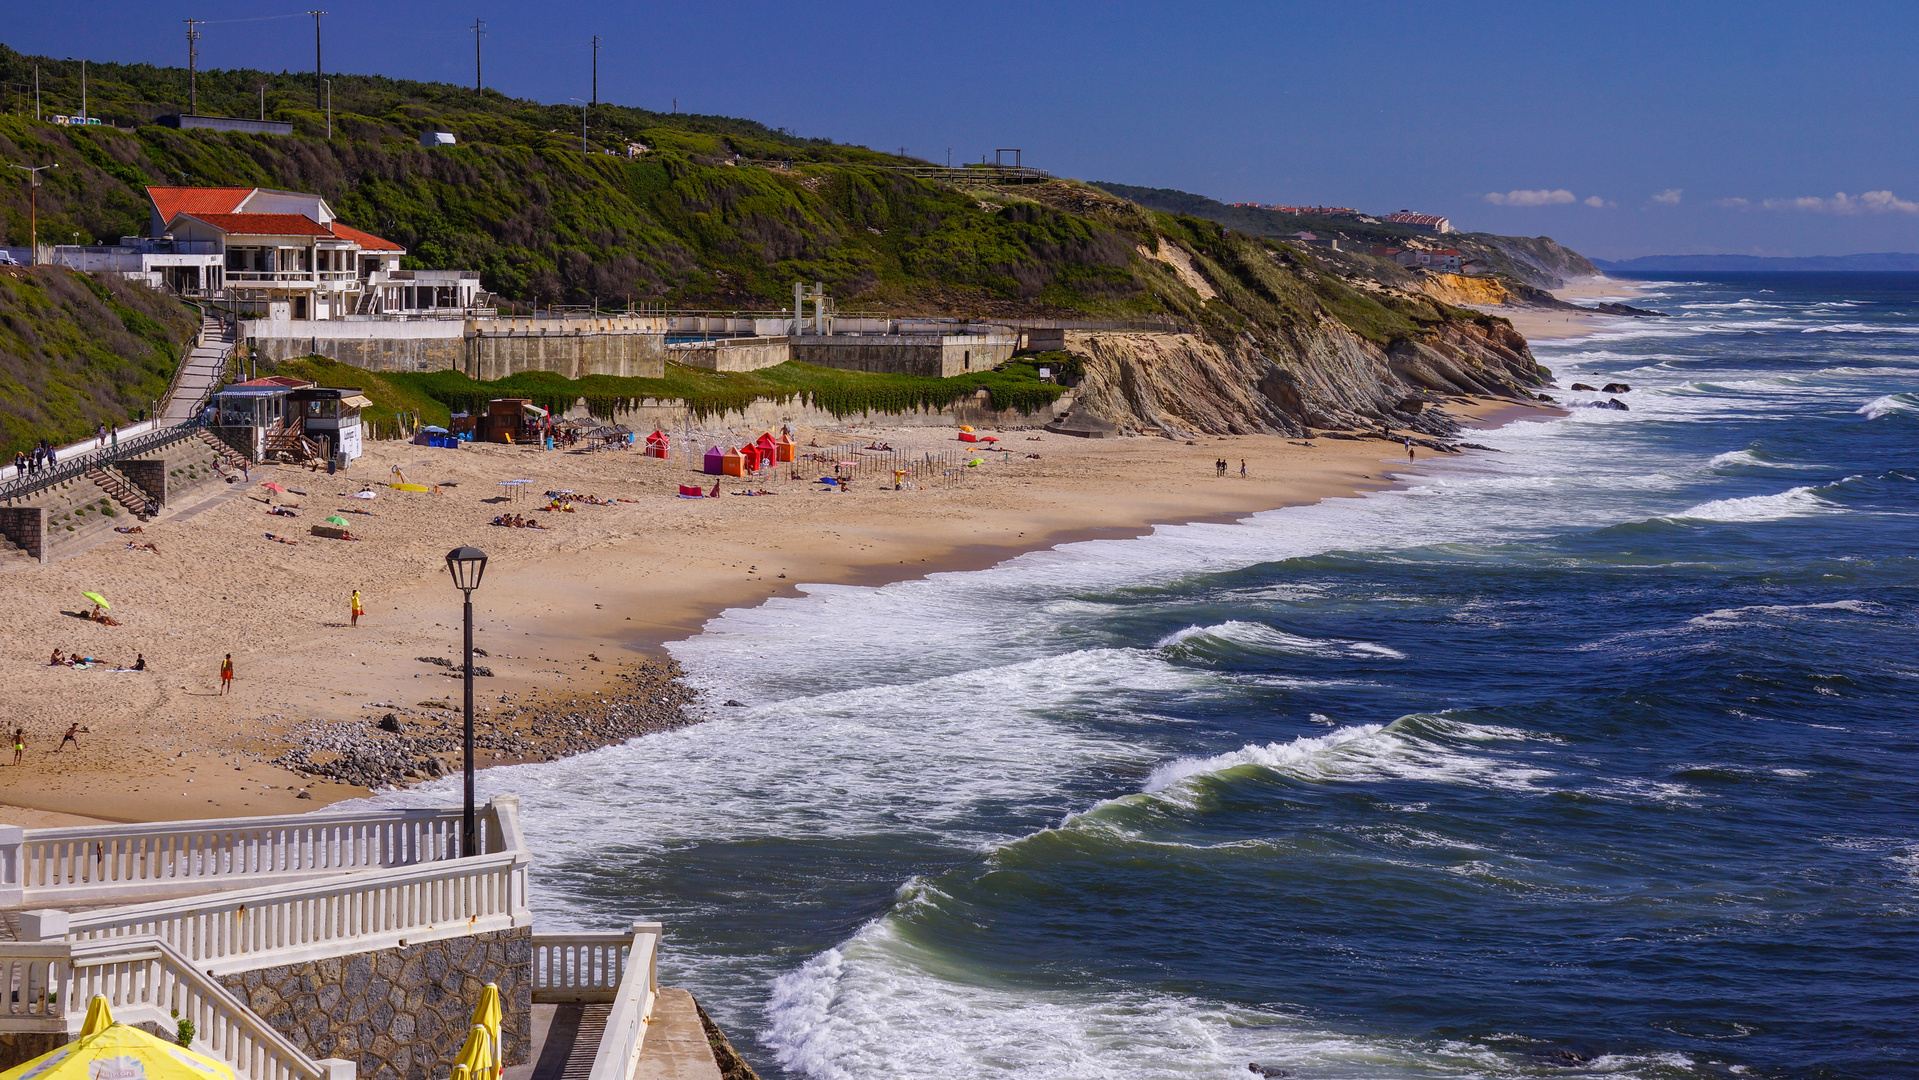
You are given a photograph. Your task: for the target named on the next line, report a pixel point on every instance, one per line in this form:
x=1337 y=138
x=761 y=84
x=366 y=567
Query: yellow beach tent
x=109 y=1051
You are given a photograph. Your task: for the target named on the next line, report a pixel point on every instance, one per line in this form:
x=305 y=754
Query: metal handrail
x=72 y=468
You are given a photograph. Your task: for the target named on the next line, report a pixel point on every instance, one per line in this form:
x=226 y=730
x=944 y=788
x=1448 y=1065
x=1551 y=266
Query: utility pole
x=193 y=65
x=316 y=59
x=263 y=101
x=329 y=108
x=596 y=69
x=36 y=93
x=479 y=31
x=583 y=152
x=33 y=205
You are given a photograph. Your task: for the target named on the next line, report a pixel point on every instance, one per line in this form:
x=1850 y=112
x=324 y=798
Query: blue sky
x=1620 y=129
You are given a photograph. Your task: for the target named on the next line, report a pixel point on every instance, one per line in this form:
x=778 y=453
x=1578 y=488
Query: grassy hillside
x=77 y=351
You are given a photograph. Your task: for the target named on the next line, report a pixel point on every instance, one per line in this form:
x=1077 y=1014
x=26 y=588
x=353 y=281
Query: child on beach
x=1409 y=448
x=357 y=609
x=19 y=744
x=226 y=674
x=73 y=736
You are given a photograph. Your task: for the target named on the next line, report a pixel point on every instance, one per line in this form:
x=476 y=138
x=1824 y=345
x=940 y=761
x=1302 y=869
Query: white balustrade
x=147 y=981
x=40 y=867
x=286 y=924
x=578 y=967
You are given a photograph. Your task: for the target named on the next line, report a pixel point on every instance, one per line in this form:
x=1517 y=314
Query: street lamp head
x=466 y=564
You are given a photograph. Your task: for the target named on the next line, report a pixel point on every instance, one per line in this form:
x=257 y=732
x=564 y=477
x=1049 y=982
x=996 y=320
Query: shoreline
x=645 y=571
x=1548 y=324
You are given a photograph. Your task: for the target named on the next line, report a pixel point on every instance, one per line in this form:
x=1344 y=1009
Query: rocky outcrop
x=1535 y=260
x=1460 y=290
x=1322 y=377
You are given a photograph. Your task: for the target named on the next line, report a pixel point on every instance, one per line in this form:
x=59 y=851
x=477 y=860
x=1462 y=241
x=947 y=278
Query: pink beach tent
x=714 y=463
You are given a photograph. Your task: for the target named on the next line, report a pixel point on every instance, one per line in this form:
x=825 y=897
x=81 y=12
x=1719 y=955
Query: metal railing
x=73 y=468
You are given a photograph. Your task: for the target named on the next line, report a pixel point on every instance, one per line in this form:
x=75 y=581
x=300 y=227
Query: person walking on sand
x=358 y=609
x=1409 y=448
x=19 y=744
x=73 y=736
x=226 y=674
x=1242 y=468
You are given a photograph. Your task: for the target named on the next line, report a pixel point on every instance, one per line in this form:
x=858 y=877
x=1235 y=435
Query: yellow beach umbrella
x=488 y=1014
x=118 y=1052
x=98 y=599
x=479 y=1057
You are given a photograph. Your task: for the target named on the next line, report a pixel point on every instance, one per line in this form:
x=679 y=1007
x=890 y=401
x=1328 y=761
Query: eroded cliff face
x=1320 y=378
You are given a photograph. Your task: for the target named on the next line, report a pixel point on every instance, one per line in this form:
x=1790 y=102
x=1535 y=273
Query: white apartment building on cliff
x=287 y=256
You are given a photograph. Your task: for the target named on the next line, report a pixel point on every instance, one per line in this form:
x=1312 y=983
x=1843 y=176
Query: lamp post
x=466 y=564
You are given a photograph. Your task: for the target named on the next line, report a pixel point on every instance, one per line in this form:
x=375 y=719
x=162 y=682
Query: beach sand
x=1541 y=324
x=562 y=612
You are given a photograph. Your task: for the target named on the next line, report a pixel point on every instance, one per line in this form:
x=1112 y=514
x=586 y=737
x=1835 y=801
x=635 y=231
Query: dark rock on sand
x=1583 y=386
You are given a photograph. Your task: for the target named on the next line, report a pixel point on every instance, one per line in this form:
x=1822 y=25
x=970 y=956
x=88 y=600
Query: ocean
x=1593 y=756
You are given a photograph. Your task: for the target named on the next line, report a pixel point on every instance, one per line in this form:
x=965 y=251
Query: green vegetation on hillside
x=77 y=351
x=435 y=395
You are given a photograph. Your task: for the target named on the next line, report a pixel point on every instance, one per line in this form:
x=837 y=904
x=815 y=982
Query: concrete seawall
x=484 y=349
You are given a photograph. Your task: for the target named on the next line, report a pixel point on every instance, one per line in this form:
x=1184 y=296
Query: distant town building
x=1431 y=223
x=437 y=138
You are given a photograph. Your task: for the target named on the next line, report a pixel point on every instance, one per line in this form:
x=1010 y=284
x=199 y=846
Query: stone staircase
x=123 y=491
x=233 y=459
x=200 y=372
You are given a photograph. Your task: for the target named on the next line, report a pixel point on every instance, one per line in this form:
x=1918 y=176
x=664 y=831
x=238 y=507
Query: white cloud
x=1541 y=197
x=1734 y=204
x=1670 y=196
x=1871 y=202
x=1594 y=200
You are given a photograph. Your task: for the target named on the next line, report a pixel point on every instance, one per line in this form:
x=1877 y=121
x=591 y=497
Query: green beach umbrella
x=98 y=599
x=337 y=520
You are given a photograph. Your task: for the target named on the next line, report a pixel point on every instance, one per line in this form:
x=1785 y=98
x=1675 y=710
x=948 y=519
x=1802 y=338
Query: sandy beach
x=565 y=613
x=1539 y=324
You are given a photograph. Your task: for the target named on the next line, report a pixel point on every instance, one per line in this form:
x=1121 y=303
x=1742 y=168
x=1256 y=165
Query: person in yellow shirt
x=358 y=608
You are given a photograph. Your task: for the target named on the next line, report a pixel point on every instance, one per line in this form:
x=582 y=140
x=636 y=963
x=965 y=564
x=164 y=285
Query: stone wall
x=401 y=1014
x=20 y=1047
x=733 y=354
x=483 y=348
x=940 y=356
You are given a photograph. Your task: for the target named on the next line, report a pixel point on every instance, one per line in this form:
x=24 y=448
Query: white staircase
x=199 y=373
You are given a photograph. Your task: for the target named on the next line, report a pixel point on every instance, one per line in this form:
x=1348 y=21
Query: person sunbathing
x=58 y=659
x=283 y=540
x=129 y=532
x=131 y=546
x=281 y=511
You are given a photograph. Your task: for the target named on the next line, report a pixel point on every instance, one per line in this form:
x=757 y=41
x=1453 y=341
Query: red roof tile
x=366 y=240
x=263 y=224
x=174 y=201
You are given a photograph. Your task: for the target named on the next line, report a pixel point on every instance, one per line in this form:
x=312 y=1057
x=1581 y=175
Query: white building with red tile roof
x=1431 y=223
x=285 y=255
